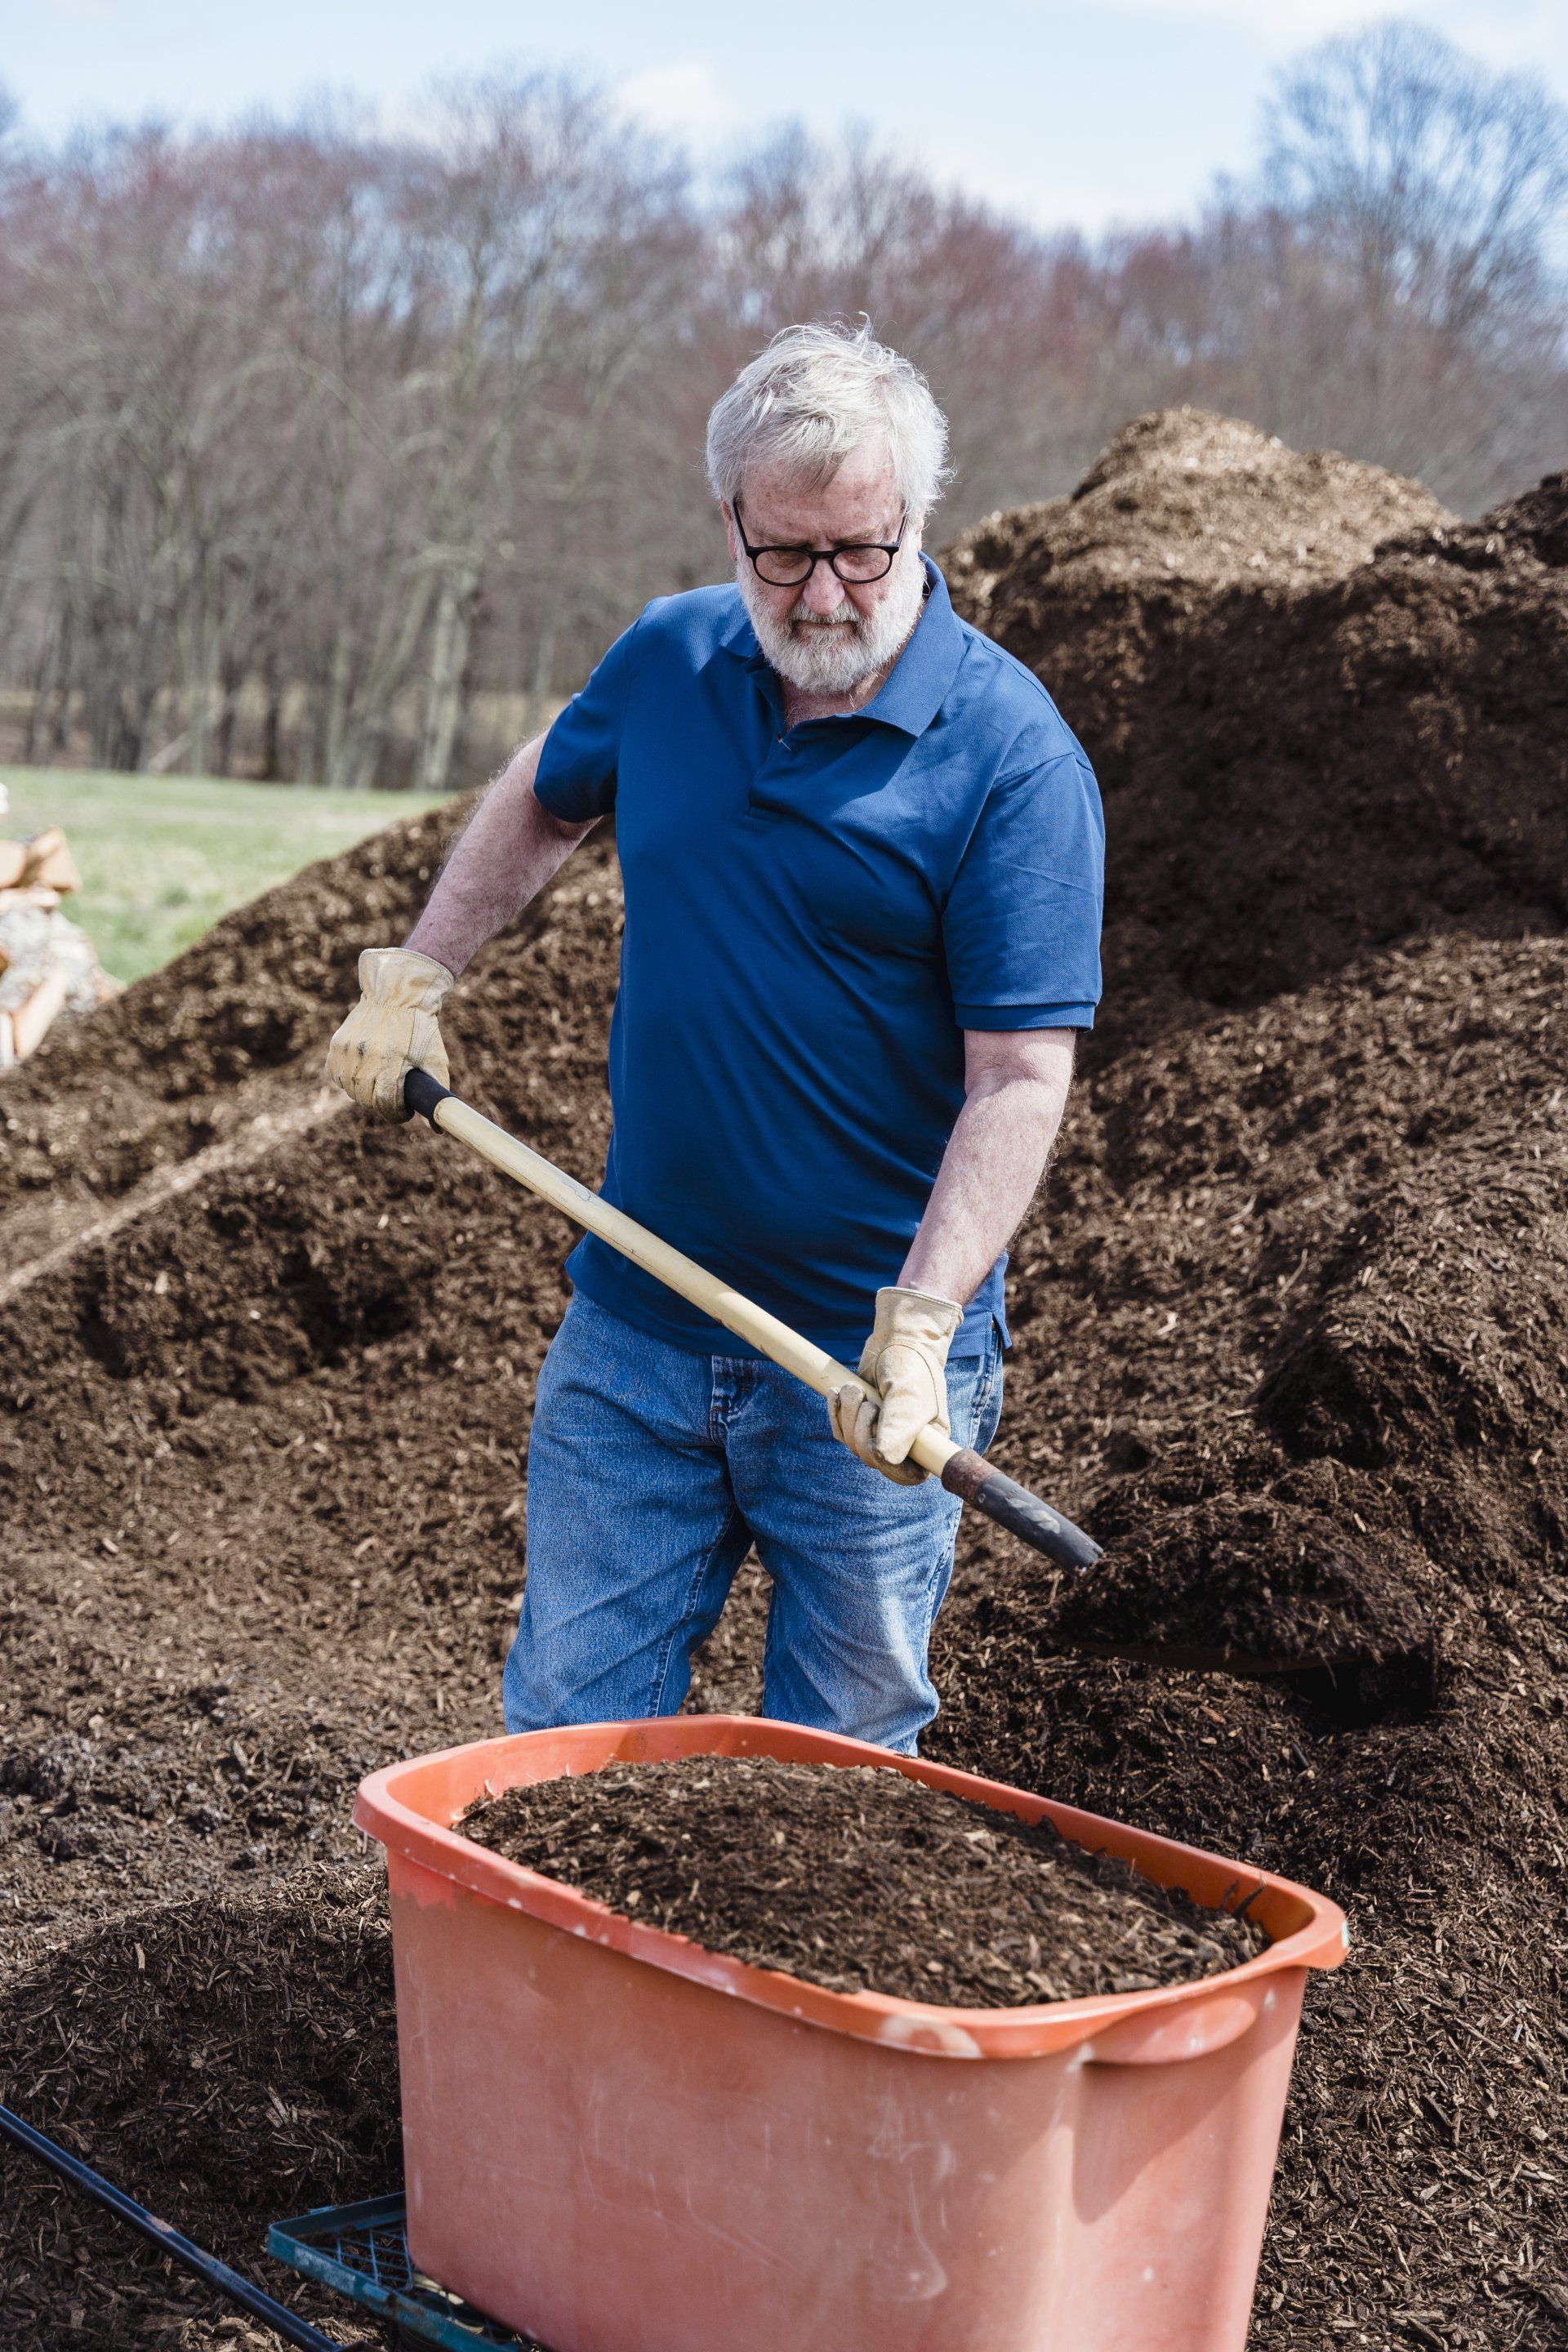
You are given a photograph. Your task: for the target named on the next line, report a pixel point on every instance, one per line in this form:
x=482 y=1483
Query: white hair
x=815 y=393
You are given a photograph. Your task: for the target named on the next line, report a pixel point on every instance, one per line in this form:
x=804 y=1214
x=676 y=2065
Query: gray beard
x=834 y=656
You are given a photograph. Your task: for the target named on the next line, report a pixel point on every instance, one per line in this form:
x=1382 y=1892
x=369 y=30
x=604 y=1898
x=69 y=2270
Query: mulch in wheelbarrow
x=860 y=1879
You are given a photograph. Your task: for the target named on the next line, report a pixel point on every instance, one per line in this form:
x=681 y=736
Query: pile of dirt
x=1353 y=732
x=1183 y=499
x=1292 y=1340
x=1538 y=520
x=179 y=1066
x=236 y=2058
x=1348 y=1614
x=1315 y=1400
x=860 y=1880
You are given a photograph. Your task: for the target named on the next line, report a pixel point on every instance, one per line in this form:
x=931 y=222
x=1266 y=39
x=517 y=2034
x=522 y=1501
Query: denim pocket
x=985 y=1406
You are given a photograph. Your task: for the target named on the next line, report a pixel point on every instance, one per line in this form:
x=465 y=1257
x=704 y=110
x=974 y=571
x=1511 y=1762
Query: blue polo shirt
x=813 y=919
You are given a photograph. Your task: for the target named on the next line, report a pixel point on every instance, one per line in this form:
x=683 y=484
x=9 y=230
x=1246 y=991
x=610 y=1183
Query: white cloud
x=685 y=100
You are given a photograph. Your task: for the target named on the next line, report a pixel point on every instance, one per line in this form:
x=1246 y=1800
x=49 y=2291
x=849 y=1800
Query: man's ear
x=729 y=513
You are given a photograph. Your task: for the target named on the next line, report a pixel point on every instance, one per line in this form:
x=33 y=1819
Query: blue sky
x=1067 y=111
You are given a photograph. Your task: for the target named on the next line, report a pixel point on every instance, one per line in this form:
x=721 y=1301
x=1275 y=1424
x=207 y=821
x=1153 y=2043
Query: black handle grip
x=1022 y=1513
x=421 y=1093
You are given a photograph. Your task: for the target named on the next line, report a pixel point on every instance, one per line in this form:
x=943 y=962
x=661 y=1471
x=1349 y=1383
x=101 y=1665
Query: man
x=862 y=859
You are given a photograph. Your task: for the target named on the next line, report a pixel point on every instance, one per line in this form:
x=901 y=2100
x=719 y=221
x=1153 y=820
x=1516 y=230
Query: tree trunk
x=543 y=668
x=42 y=677
x=335 y=720
x=271 y=722
x=449 y=658
x=229 y=709
x=365 y=724
x=199 y=663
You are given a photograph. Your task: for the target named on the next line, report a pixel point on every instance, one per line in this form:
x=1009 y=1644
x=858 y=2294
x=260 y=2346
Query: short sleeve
x=1021 y=926
x=581 y=759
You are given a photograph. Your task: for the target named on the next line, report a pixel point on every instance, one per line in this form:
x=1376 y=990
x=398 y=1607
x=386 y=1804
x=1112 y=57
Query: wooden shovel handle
x=961 y=1471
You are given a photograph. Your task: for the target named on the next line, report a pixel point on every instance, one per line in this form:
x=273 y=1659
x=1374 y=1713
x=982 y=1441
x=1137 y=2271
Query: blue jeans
x=651 y=1471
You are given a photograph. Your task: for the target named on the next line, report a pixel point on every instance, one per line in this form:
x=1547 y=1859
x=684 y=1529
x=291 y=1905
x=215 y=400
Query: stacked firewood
x=46 y=963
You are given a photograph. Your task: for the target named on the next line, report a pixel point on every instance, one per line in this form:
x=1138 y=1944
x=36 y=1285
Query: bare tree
x=339 y=456
x=1440 y=184
x=1387 y=285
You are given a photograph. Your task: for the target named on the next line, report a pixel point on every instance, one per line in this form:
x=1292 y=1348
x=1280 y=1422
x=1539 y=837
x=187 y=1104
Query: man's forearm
x=990 y=1171
x=507 y=851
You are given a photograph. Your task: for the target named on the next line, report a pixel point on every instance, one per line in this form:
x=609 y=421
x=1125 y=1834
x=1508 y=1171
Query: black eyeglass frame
x=828 y=555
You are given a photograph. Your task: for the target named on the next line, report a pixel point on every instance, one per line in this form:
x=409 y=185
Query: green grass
x=161 y=857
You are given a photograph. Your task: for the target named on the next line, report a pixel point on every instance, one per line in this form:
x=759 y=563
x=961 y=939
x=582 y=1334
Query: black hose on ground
x=163 y=2234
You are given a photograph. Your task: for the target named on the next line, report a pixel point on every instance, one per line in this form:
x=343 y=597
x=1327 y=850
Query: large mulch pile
x=237 y=2050
x=860 y=1880
x=1325 y=715
x=1292 y=1331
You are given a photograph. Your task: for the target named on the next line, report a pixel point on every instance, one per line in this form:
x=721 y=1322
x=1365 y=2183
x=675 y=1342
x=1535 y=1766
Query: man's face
x=827 y=636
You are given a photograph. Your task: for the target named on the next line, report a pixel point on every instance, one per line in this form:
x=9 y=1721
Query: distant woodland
x=335 y=457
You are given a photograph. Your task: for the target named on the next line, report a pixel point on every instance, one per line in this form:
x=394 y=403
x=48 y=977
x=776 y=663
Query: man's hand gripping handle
x=961 y=1471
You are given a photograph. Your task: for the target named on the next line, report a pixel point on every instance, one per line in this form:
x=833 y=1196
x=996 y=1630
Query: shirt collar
x=921 y=676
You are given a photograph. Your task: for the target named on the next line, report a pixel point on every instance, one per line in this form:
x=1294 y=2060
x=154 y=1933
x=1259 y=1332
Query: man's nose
x=824 y=591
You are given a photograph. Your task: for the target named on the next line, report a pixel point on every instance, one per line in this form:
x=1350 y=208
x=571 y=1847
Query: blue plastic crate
x=361 y=2251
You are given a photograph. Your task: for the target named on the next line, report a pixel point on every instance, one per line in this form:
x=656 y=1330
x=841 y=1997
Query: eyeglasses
x=791 y=567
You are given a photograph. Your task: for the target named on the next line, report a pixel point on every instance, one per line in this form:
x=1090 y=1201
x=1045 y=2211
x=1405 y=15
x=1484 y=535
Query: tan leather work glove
x=906 y=1355
x=392 y=1030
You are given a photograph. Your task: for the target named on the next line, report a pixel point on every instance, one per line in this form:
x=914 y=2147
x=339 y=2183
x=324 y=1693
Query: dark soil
x=1325 y=717
x=1349 y=1615
x=1292 y=1339
x=229 y=2056
x=861 y=1879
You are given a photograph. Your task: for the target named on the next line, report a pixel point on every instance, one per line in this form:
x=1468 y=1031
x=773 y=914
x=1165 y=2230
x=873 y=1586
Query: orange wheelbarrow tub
x=617 y=2141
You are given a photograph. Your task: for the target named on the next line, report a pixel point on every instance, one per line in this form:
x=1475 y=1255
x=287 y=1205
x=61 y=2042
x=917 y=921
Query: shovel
x=961 y=1471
